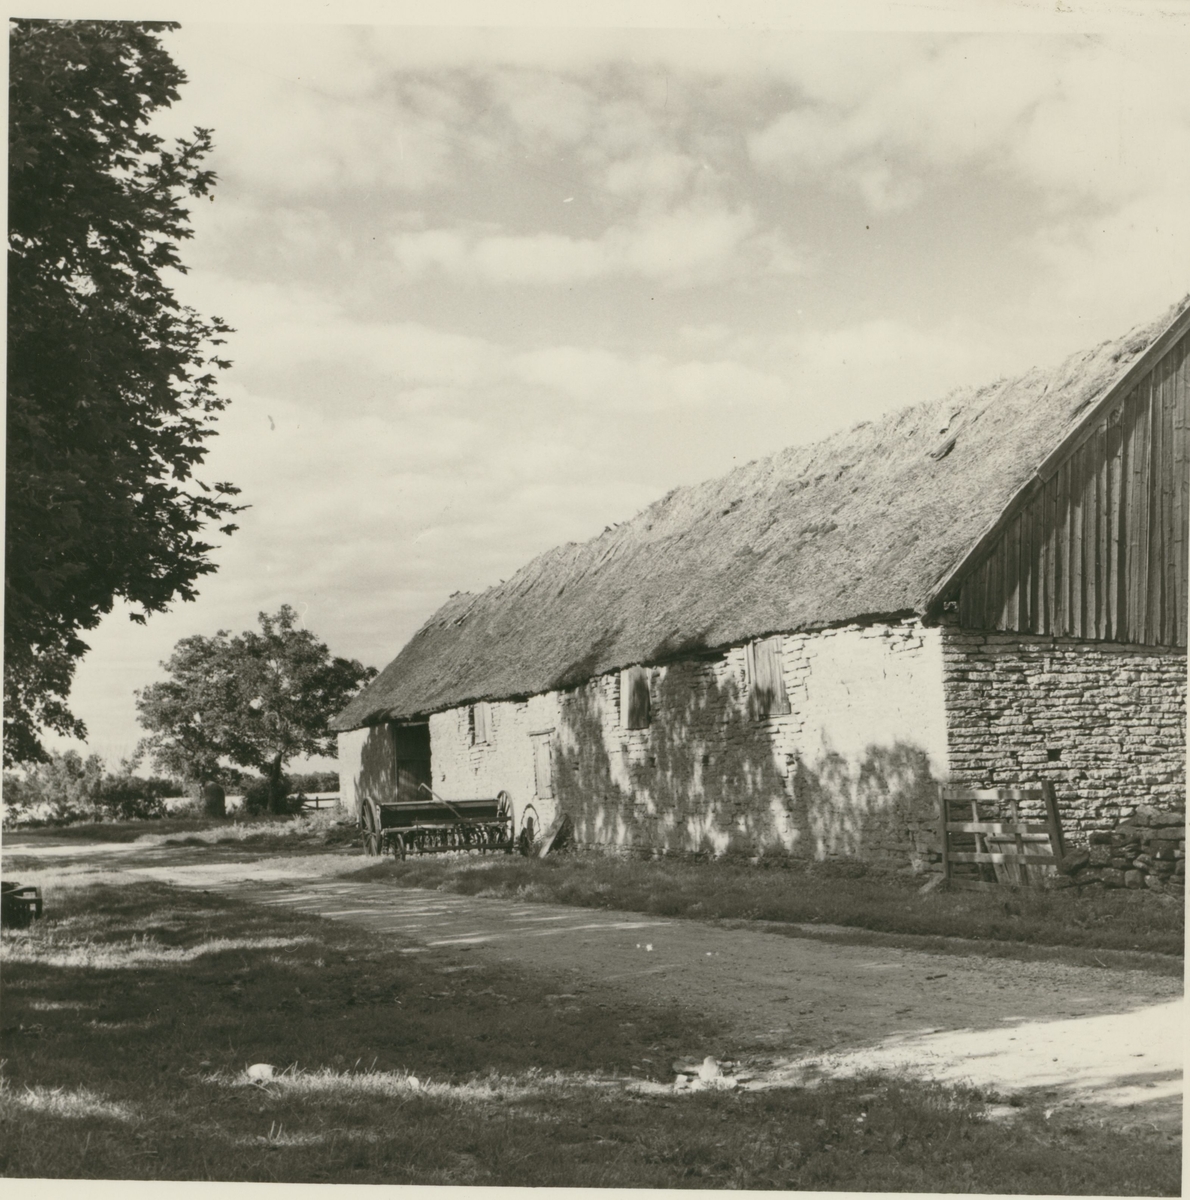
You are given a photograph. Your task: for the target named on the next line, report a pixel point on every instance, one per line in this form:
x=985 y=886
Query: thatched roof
x=863 y=524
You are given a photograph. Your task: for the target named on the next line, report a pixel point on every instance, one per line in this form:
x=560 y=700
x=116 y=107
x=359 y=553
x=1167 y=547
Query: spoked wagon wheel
x=399 y=845
x=371 y=828
x=504 y=819
x=530 y=826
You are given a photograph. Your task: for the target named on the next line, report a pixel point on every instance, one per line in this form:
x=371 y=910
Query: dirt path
x=795 y=1007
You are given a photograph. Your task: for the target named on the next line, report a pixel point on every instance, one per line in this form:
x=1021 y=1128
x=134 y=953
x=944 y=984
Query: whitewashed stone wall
x=850 y=771
x=872 y=745
x=505 y=763
x=1105 y=722
x=351 y=745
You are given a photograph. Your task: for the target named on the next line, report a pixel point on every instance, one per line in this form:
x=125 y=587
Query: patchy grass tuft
x=114 y=831
x=320 y=827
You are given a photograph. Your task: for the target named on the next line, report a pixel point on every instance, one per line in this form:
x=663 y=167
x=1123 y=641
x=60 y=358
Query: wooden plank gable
x=1098 y=547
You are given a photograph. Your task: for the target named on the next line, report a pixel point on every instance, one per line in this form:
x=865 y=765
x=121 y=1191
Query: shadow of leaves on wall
x=883 y=805
x=705 y=778
x=377 y=778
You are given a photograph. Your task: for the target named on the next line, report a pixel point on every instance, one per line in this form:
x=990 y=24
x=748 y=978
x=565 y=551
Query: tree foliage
x=110 y=379
x=67 y=787
x=257 y=699
x=315 y=781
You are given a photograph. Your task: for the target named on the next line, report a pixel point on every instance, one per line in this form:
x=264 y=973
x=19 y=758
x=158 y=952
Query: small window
x=634 y=698
x=480 y=723
x=766 y=685
x=543 y=765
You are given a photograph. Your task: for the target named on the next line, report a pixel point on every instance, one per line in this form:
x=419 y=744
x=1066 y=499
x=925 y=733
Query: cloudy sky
x=497 y=289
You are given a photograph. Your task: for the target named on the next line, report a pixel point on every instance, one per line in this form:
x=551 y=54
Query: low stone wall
x=1148 y=851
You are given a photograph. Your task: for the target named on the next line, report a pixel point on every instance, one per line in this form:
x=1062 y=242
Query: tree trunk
x=214 y=800
x=276 y=787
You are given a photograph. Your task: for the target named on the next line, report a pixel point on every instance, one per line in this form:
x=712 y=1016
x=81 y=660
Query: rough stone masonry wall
x=1104 y=722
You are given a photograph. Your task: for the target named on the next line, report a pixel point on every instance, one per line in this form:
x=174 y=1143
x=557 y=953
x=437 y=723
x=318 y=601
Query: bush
x=58 y=790
x=127 y=797
x=69 y=788
x=258 y=798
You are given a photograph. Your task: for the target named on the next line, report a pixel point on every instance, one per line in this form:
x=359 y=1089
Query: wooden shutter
x=766 y=684
x=480 y=724
x=634 y=698
x=543 y=766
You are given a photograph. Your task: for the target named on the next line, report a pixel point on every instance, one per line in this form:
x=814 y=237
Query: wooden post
x=981 y=847
x=1021 y=868
x=945 y=836
x=1052 y=818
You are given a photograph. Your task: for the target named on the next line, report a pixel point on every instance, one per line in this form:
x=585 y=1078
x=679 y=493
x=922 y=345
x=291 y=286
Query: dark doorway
x=413 y=760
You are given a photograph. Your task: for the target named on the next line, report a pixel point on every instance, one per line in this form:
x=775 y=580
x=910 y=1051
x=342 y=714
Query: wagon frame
x=438 y=826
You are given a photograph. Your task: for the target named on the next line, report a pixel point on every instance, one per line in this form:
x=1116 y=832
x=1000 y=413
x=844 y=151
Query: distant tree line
x=313 y=782
x=68 y=788
x=232 y=711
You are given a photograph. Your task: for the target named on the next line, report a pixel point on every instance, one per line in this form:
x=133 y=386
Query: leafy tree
x=110 y=379
x=258 y=699
x=262 y=793
x=181 y=711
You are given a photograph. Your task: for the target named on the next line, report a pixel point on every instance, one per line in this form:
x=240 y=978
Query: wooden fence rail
x=1016 y=851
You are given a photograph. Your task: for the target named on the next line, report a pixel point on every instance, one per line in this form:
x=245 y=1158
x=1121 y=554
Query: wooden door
x=413 y=762
x=543 y=766
x=411 y=774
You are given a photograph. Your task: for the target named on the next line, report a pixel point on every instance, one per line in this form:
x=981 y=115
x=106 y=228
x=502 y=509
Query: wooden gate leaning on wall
x=988 y=849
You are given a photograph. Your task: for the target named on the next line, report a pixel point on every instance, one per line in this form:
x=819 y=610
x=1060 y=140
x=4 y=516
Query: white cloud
x=1103 y=274
x=303 y=112
x=1078 y=118
x=284 y=327
x=659 y=173
x=691 y=244
x=546 y=106
x=307 y=109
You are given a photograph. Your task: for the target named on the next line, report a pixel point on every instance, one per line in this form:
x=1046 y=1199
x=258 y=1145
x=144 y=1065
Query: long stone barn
x=989 y=589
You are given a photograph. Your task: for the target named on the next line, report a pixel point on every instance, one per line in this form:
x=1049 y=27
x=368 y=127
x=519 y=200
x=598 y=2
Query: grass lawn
x=316 y=827
x=840 y=894
x=130 y=1015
